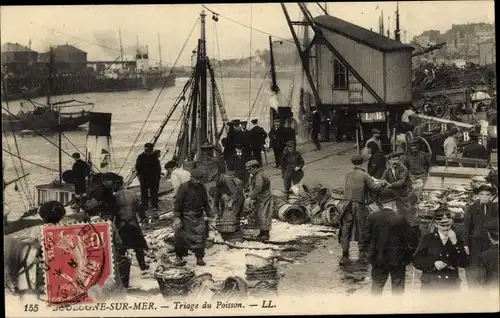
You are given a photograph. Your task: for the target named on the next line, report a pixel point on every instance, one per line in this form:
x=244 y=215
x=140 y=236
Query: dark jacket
x=437 y=146
x=274 y=138
x=417 y=163
x=291 y=159
x=80 y=170
x=488 y=264
x=316 y=123
x=377 y=165
x=148 y=166
x=430 y=250
x=358 y=184
x=388 y=239
x=287 y=134
x=258 y=137
x=474 y=220
x=476 y=151
x=400 y=182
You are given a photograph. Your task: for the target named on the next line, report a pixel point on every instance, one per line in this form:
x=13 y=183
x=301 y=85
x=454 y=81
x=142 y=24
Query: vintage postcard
x=249 y=159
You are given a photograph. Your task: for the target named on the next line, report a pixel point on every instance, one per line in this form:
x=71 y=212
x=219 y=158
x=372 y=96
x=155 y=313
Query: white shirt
x=178 y=177
x=406 y=115
x=450 y=146
x=443 y=238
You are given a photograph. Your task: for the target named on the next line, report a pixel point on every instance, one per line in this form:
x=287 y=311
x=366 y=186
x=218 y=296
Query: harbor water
x=129 y=111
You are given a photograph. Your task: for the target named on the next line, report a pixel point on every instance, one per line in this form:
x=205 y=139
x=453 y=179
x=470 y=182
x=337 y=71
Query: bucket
x=353 y=251
x=172 y=281
x=293 y=214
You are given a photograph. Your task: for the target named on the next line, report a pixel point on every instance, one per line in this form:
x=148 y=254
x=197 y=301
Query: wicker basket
x=173 y=286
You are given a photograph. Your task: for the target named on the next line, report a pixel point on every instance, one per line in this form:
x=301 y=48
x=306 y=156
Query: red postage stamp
x=76 y=257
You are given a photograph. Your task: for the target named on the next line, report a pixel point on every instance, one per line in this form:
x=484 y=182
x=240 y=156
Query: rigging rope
x=81 y=153
x=24 y=184
x=250 y=62
x=158 y=97
x=16 y=171
x=246 y=26
x=258 y=95
x=220 y=63
x=30 y=162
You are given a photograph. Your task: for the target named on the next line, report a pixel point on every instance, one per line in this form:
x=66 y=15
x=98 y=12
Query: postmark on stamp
x=75 y=258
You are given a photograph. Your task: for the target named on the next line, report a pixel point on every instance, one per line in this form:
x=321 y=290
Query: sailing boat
x=47 y=117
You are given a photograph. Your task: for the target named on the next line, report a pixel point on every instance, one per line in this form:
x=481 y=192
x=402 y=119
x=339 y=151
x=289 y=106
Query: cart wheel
x=477 y=78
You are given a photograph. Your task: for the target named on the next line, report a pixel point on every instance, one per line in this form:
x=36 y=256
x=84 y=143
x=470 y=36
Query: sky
x=95 y=28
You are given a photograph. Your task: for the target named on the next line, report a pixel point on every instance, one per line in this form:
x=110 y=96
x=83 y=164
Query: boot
x=200 y=261
x=179 y=261
x=345 y=258
x=264 y=236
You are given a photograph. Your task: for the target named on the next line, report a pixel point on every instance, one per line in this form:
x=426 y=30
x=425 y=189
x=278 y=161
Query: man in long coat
x=81 y=171
x=148 y=170
x=257 y=140
x=389 y=244
x=476 y=235
x=291 y=165
x=239 y=161
x=439 y=255
x=191 y=208
x=229 y=201
x=260 y=194
x=127 y=224
x=275 y=142
x=315 y=128
x=352 y=219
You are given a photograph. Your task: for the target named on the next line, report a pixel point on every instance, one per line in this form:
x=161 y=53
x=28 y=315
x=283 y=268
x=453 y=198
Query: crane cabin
x=360 y=74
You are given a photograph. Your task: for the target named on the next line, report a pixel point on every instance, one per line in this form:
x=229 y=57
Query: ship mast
x=121 y=47
x=397 y=35
x=159 y=48
x=203 y=82
x=59 y=130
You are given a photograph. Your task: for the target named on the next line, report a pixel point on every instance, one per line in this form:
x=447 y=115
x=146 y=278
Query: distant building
x=487 y=52
x=16 y=57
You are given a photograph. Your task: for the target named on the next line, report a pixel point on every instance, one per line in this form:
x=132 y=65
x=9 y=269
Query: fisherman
x=258 y=140
x=399 y=180
x=439 y=255
x=488 y=260
x=451 y=143
x=417 y=162
x=377 y=162
x=389 y=244
x=315 y=129
x=148 y=170
x=191 y=205
x=260 y=196
x=228 y=143
x=101 y=200
x=376 y=139
x=292 y=163
x=127 y=224
x=475 y=234
x=177 y=175
x=475 y=150
x=436 y=142
x=81 y=171
x=229 y=201
x=239 y=160
x=275 y=142
x=352 y=219
x=245 y=140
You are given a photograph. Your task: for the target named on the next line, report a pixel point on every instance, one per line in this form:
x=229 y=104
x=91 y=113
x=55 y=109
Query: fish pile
x=455 y=198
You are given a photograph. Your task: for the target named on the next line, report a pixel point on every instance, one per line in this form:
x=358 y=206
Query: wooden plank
x=439 y=184
x=480 y=163
x=457 y=172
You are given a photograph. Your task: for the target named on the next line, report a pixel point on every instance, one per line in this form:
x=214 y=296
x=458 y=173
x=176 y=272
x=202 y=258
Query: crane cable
x=250 y=63
x=158 y=97
x=220 y=63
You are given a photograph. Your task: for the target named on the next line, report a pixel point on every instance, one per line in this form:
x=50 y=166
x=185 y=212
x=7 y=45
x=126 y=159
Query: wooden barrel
x=315 y=215
x=293 y=214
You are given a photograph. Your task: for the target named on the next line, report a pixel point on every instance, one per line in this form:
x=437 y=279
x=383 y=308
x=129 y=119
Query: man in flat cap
x=315 y=128
x=292 y=163
x=488 y=260
x=239 y=160
x=389 y=244
x=191 y=210
x=417 y=162
x=375 y=138
x=475 y=150
x=275 y=142
x=229 y=201
x=352 y=219
x=260 y=194
x=475 y=234
x=81 y=170
x=440 y=254
x=257 y=141
x=148 y=169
